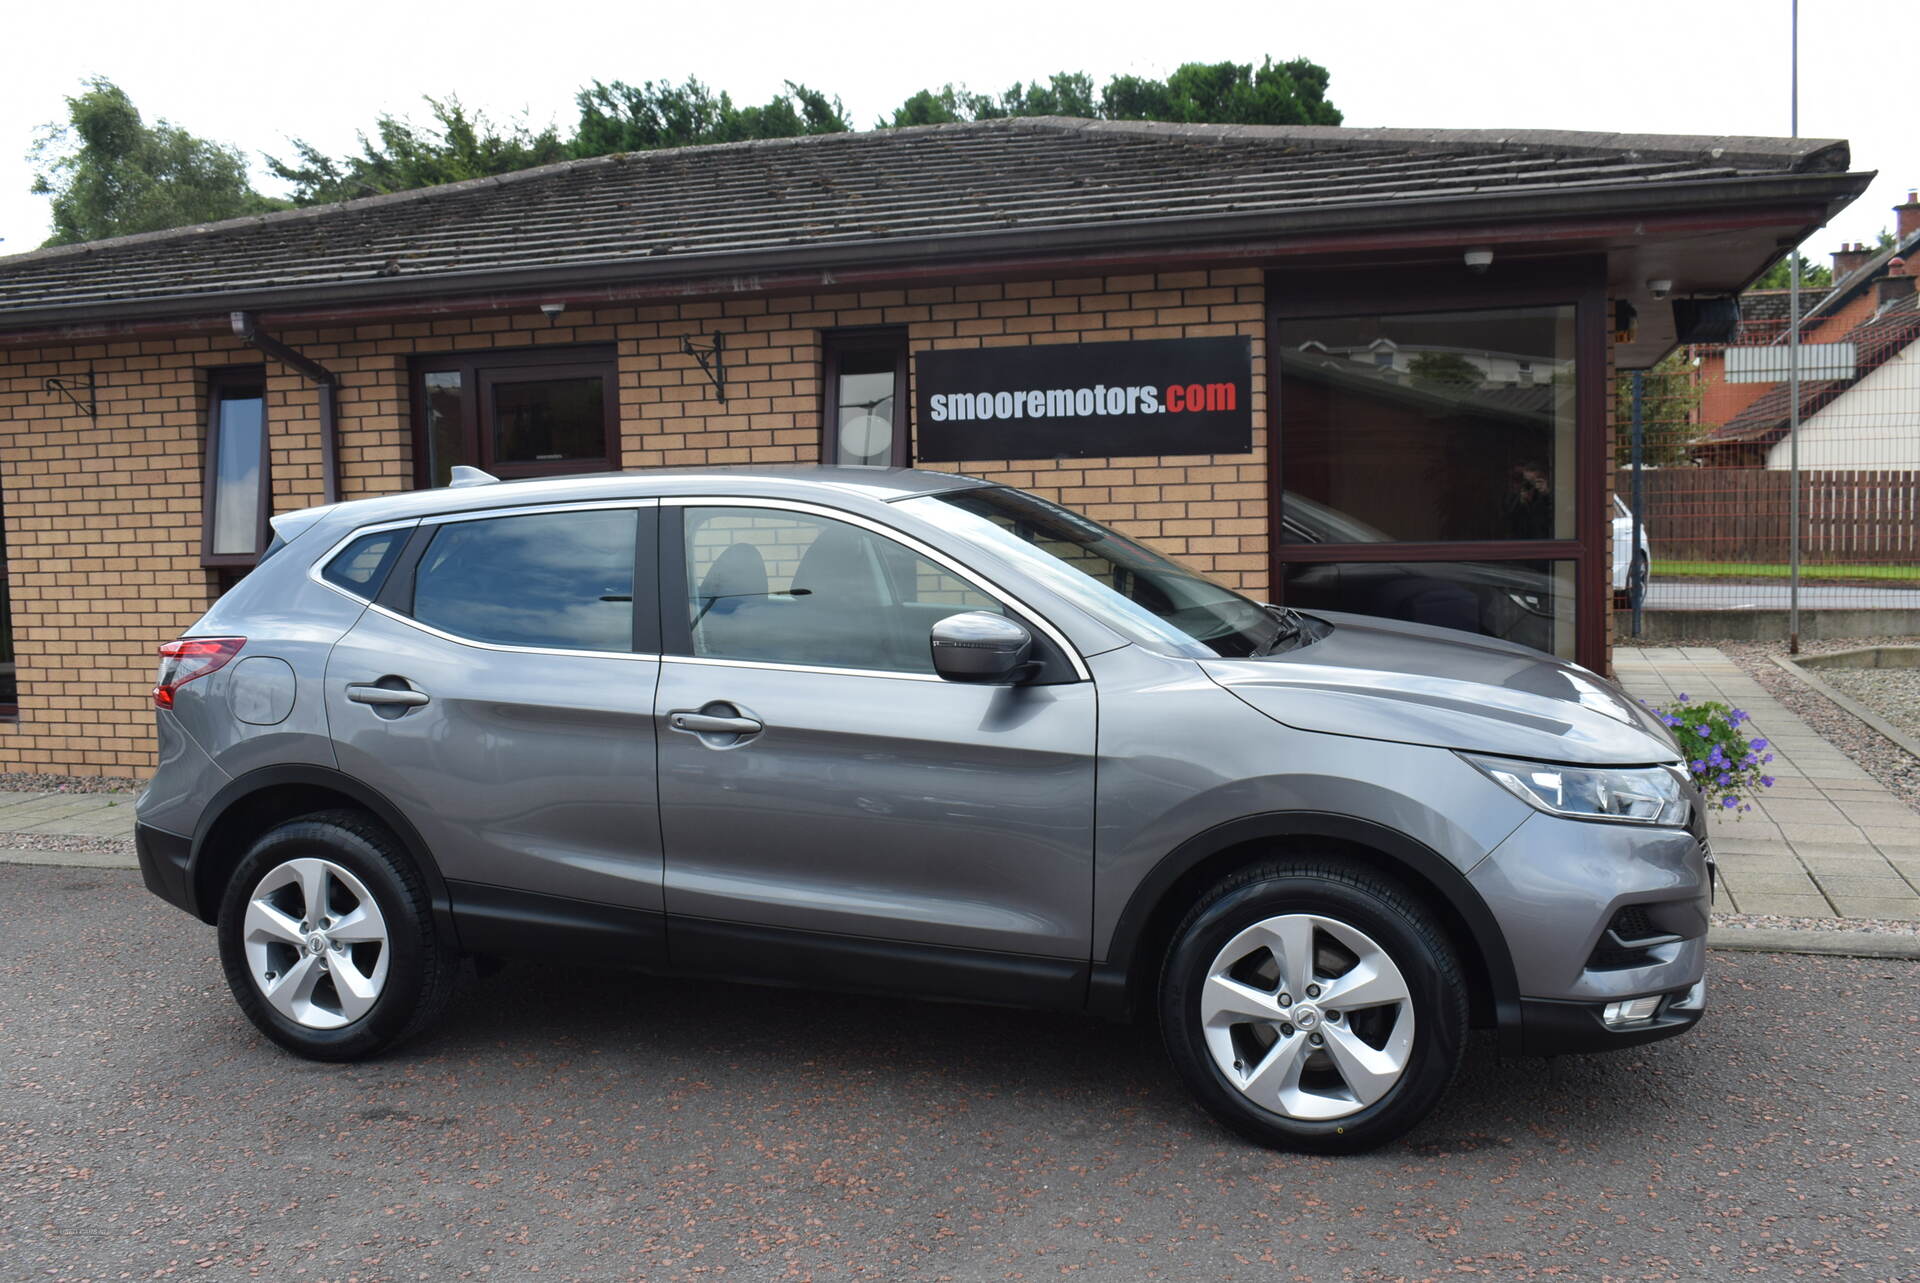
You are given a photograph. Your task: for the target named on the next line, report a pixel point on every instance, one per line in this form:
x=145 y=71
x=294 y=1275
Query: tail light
x=190 y=657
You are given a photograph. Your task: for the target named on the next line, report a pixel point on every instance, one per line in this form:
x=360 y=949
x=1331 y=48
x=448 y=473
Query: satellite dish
x=866 y=438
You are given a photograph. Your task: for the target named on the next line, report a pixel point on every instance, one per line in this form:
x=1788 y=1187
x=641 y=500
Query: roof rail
x=463 y=476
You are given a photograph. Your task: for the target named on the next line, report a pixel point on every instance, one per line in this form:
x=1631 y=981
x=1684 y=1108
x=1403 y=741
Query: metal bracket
x=67 y=388
x=713 y=362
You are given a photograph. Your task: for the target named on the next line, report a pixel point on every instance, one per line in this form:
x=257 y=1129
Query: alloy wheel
x=316 y=943
x=1307 y=1016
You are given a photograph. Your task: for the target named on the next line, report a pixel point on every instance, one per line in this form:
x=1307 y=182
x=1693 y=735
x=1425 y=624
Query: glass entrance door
x=1427 y=468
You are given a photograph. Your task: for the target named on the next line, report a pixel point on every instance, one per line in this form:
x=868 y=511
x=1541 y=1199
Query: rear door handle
x=387 y=695
x=706 y=724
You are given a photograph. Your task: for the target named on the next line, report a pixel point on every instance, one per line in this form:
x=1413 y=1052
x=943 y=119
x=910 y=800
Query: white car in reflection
x=1629 y=570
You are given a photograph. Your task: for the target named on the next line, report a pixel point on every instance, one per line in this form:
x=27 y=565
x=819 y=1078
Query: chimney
x=1848 y=258
x=1906 y=218
x=1895 y=285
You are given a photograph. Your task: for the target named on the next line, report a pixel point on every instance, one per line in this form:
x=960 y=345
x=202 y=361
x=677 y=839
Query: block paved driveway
x=600 y=1126
x=1827 y=840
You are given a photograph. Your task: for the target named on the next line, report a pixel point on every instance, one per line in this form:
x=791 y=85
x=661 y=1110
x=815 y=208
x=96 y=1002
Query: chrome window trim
x=502 y=648
x=536 y=510
x=704 y=662
x=985 y=585
x=325 y=559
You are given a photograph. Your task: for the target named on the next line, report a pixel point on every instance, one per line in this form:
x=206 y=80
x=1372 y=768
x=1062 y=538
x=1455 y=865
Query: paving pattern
x=1827 y=839
x=597 y=1126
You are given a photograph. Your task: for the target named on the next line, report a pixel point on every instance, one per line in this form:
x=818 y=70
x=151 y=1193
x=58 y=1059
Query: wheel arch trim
x=1111 y=985
x=238 y=790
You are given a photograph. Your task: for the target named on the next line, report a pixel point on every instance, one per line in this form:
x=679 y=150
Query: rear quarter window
x=361 y=567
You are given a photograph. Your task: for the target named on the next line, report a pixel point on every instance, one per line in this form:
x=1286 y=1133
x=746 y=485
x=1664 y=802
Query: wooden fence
x=1740 y=514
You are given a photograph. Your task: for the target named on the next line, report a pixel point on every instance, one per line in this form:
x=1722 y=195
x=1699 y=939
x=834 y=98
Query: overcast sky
x=254 y=75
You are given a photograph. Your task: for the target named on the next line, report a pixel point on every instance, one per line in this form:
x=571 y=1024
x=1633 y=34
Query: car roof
x=788 y=481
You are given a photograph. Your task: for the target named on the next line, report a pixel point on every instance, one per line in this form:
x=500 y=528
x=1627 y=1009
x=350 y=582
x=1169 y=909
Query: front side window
x=237 y=484
x=1109 y=575
x=515 y=414
x=866 y=411
x=553 y=580
x=782 y=587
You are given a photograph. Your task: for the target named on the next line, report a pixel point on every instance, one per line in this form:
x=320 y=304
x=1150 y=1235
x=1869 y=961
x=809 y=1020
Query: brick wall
x=103 y=516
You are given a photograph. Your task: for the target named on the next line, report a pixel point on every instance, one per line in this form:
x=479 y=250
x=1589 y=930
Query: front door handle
x=707 y=724
x=387 y=696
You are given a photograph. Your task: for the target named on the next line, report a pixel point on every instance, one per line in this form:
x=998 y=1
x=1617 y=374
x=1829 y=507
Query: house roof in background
x=917 y=195
x=1879 y=338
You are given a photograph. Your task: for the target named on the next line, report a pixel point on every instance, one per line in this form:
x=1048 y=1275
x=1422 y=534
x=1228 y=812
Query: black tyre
x=328 y=940
x=1312 y=1006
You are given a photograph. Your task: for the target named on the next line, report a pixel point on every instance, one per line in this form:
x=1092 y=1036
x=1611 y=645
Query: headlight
x=1625 y=794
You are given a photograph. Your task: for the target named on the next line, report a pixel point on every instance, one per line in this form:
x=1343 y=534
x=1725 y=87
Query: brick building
x=1421 y=325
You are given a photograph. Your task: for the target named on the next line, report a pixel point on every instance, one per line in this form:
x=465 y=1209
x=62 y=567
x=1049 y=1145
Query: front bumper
x=1594 y=914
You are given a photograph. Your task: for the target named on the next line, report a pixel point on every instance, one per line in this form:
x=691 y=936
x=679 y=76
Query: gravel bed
x=1895 y=768
x=33 y=782
x=1872 y=926
x=1894 y=693
x=64 y=842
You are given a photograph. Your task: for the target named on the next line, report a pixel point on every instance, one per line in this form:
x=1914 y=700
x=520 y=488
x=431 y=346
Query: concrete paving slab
x=70 y=859
x=1787 y=906
x=1906 y=909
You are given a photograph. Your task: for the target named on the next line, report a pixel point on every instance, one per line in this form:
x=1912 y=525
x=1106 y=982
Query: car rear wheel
x=328 y=940
x=1314 y=1007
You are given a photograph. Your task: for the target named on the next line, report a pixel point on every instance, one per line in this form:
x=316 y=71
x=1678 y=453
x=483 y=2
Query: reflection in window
x=1433 y=426
x=560 y=580
x=362 y=565
x=547 y=420
x=236 y=473
x=445 y=433
x=1529 y=602
x=791 y=588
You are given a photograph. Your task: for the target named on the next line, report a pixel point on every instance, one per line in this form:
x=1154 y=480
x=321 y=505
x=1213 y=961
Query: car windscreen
x=1108 y=574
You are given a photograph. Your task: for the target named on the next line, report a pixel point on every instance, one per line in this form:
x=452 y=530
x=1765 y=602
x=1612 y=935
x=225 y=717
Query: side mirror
x=979 y=647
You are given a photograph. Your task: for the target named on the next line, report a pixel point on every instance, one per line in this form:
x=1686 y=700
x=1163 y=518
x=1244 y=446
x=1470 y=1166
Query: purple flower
x=1766 y=781
x=1767 y=758
x=1699 y=768
x=1729 y=801
x=1757 y=745
x=1682 y=697
x=1736 y=717
x=1702 y=731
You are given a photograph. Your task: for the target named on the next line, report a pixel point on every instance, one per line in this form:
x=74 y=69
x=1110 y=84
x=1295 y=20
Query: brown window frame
x=1301 y=294
x=834 y=345
x=482 y=369
x=223 y=382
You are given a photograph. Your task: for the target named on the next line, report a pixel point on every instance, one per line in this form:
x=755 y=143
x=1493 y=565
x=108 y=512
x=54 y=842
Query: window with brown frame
x=524 y=413
x=238 y=486
x=865 y=418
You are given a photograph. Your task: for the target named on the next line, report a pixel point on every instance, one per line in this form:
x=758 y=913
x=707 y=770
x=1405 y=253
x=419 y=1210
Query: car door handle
x=707 y=724
x=387 y=696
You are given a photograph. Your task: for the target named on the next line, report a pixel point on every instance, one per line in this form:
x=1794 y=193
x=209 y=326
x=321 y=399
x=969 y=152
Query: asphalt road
x=599 y=1126
x=1672 y=595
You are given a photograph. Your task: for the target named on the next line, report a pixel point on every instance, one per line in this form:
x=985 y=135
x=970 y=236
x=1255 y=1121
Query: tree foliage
x=402 y=155
x=1812 y=276
x=112 y=174
x=109 y=173
x=621 y=117
x=1670 y=398
x=1448 y=369
x=1289 y=93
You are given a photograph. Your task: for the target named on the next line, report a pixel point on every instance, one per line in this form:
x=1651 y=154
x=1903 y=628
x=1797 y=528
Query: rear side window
x=555 y=580
x=361 y=567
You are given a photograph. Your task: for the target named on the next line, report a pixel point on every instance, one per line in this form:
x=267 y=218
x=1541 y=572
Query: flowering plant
x=1725 y=762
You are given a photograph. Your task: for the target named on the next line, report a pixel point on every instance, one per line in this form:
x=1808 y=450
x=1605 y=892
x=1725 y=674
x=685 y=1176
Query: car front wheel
x=328 y=940
x=1312 y=1006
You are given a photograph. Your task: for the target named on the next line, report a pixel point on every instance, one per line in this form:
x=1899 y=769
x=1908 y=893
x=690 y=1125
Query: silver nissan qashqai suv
x=899 y=731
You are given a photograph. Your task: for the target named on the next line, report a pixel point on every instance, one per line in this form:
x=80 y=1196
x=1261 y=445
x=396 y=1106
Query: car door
x=500 y=694
x=831 y=808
